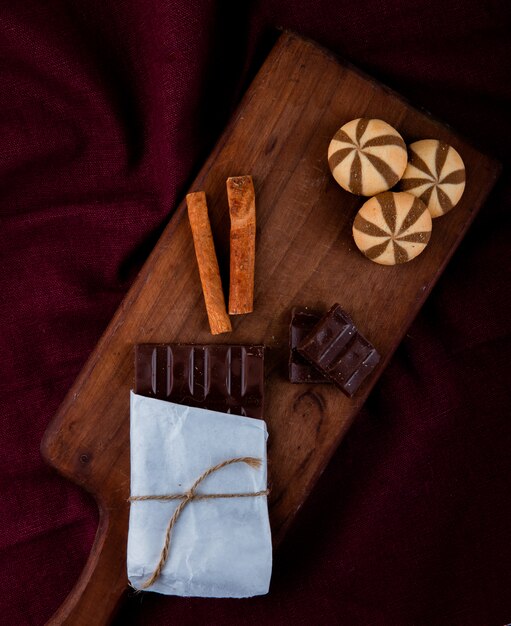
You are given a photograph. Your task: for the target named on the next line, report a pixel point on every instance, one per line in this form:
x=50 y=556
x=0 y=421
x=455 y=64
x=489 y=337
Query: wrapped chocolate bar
x=199 y=515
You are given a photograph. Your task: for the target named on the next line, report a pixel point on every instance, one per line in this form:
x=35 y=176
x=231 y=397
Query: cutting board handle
x=103 y=582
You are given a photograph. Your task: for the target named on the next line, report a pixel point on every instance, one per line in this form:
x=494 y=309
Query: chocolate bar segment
x=339 y=351
x=303 y=321
x=222 y=378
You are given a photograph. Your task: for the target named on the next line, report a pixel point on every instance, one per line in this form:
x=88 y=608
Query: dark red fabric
x=107 y=109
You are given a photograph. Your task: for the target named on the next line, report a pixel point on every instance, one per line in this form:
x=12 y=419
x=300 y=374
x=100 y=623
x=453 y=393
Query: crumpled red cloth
x=107 y=109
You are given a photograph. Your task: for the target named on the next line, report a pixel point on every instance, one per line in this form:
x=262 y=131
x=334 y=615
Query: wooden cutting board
x=305 y=256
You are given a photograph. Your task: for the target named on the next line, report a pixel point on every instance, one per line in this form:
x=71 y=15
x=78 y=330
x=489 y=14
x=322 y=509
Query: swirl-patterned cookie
x=367 y=157
x=435 y=174
x=392 y=228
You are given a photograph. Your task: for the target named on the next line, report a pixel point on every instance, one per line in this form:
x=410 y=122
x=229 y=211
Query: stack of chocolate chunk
x=329 y=349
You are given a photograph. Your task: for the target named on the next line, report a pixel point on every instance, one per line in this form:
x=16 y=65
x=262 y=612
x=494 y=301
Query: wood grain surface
x=305 y=256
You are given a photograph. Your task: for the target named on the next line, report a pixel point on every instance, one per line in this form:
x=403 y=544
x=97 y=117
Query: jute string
x=188 y=497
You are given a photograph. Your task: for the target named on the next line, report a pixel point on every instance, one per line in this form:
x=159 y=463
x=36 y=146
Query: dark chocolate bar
x=217 y=377
x=303 y=321
x=339 y=351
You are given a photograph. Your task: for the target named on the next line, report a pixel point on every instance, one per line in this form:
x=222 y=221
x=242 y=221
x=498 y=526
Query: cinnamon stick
x=241 y=198
x=209 y=271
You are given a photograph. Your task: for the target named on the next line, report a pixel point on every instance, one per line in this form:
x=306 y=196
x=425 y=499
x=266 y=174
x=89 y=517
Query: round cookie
x=392 y=228
x=435 y=174
x=367 y=156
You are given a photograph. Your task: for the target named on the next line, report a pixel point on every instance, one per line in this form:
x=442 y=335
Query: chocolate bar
x=303 y=321
x=339 y=351
x=217 y=377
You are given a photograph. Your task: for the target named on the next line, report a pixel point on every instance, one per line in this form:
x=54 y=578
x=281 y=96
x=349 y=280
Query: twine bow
x=190 y=495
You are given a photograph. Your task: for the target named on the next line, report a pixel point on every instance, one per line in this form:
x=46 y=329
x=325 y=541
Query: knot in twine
x=188 y=497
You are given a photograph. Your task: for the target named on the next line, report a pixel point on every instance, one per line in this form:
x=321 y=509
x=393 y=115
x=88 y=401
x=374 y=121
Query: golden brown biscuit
x=435 y=174
x=367 y=156
x=392 y=228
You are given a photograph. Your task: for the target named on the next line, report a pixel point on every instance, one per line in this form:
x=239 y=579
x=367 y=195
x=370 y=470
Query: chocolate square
x=303 y=321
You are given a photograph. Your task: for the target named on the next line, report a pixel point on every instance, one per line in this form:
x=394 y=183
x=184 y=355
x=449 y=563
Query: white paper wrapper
x=219 y=548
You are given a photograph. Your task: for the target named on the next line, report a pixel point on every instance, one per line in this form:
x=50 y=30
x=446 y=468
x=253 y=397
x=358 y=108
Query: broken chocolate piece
x=303 y=321
x=216 y=377
x=339 y=351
